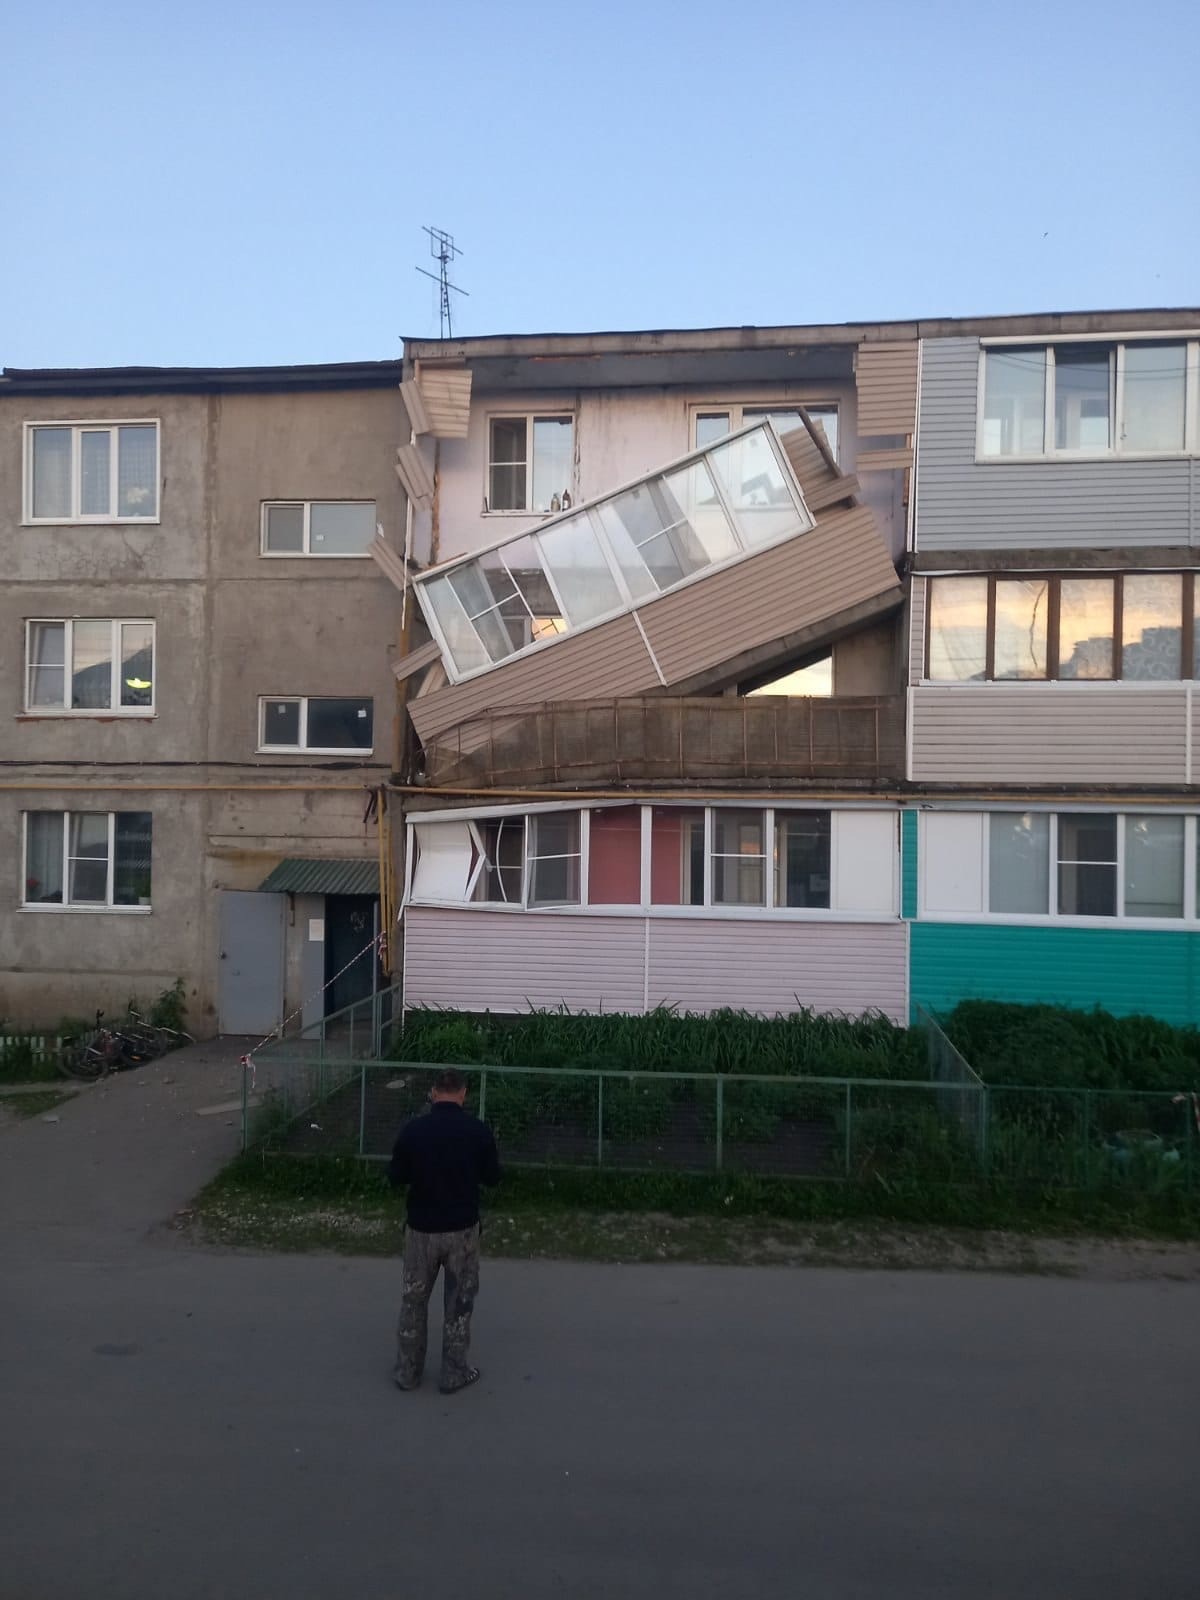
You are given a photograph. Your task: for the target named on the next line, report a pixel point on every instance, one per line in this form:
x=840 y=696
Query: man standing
x=443 y=1158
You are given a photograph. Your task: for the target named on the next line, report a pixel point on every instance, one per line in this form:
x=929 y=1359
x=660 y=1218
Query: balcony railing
x=761 y=738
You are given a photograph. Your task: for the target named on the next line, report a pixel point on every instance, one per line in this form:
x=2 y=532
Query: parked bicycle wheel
x=82 y=1058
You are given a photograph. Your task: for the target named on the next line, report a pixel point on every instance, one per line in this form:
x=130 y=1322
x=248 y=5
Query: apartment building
x=846 y=667
x=197 y=688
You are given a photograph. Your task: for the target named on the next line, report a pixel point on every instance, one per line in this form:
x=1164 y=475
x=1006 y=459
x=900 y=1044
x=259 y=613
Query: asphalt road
x=200 y=1425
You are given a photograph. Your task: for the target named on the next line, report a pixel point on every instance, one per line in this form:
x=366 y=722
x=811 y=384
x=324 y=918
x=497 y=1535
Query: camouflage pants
x=456 y=1255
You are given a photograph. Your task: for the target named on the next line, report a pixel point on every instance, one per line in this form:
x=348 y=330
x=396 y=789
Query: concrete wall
x=231 y=625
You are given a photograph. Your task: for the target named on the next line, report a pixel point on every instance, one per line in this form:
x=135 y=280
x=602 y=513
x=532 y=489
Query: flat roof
x=200 y=380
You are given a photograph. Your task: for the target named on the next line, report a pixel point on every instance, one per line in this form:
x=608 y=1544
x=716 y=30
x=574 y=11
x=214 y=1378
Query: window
x=802 y=858
x=1133 y=626
x=738 y=858
x=1105 y=865
x=502 y=877
x=320 y=723
x=530 y=463
x=613 y=554
x=1086 y=398
x=87 y=859
x=317 y=527
x=91 y=472
x=676 y=856
x=89 y=665
x=554 y=859
x=711 y=425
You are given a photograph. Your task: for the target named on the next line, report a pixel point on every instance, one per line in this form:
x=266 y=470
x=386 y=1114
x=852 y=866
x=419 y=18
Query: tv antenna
x=443 y=250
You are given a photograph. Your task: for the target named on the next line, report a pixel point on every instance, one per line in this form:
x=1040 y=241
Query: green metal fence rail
x=857 y=1130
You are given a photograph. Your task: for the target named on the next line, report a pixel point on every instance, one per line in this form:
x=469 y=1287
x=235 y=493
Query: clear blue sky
x=225 y=183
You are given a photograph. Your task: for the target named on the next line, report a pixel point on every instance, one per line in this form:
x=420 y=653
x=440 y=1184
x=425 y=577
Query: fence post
x=986 y=1115
x=720 y=1122
x=1087 y=1138
x=362 y=1112
x=600 y=1119
x=849 y=1124
x=245 y=1107
x=353 y=1009
x=482 y=1093
x=376 y=1023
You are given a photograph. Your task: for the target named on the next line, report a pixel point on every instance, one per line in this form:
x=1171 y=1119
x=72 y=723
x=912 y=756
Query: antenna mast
x=443 y=250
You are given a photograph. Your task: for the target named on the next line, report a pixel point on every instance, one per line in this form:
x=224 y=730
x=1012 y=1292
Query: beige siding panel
x=813 y=471
x=770 y=967
x=509 y=961
x=837 y=564
x=843 y=487
x=1046 y=733
x=887 y=388
x=423 y=656
x=446 y=392
x=916 y=630
x=884 y=460
x=388 y=561
x=608 y=660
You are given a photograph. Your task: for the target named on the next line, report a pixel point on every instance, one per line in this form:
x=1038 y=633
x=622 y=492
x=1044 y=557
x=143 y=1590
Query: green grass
x=318 y=1183
x=1056 y=1047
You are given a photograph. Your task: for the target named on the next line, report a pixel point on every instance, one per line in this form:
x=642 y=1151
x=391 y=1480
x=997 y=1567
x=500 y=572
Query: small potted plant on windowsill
x=141 y=889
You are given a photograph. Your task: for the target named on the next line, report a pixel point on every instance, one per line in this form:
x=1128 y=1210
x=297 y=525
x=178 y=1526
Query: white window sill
x=1090 y=457
x=91 y=522
x=58 y=910
x=49 y=713
x=315 y=555
x=309 y=750
x=1031 y=919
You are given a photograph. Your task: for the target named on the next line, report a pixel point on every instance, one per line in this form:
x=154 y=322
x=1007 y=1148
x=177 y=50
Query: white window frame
x=308 y=553
x=80 y=906
x=1113 y=452
x=1051 y=916
x=303 y=748
x=706 y=909
x=114 y=708
x=77 y=428
x=529 y=418
x=736 y=412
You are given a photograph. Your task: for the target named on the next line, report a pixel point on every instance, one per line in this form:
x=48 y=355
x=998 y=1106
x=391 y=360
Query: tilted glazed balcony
x=772 y=740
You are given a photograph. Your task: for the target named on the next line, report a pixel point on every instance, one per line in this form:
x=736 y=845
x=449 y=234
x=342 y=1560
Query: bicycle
x=96 y=1053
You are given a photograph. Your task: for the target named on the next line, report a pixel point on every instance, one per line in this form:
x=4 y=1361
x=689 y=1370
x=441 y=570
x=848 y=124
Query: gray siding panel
x=1047 y=733
x=998 y=505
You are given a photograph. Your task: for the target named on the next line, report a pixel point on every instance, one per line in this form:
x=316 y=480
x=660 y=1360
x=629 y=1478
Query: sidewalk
x=123 y=1156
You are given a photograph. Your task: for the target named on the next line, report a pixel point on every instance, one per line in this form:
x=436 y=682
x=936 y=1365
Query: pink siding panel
x=509 y=961
x=700 y=965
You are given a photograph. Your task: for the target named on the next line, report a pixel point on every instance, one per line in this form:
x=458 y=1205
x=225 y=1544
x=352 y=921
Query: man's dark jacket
x=443 y=1158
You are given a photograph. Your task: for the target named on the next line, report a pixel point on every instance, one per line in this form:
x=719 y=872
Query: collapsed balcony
x=758 y=739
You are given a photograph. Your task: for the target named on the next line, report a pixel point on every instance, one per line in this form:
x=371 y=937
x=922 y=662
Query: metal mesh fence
x=962 y=1095
x=846 y=1129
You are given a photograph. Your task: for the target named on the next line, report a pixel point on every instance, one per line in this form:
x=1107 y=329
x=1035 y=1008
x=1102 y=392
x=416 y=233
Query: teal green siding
x=908 y=864
x=1122 y=970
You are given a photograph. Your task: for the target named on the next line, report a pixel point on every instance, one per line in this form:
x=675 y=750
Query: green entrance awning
x=295 y=875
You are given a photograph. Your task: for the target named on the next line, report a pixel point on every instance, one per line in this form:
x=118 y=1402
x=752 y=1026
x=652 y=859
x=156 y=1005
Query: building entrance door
x=351 y=922
x=250 y=969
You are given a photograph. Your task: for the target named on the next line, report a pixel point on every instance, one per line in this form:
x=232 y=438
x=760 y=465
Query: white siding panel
x=1050 y=733
x=702 y=965
x=964 y=504
x=509 y=961
x=866 y=864
x=916 y=629
x=951 y=860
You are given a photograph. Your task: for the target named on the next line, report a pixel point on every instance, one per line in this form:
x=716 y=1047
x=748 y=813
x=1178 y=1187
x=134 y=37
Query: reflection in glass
x=43 y=858
x=91 y=666
x=51 y=472
x=137 y=663
x=1153 y=866
x=340 y=528
x=755 y=486
x=1019 y=862
x=131 y=865
x=137 y=471
x=958 y=629
x=1152 y=626
x=88 y=859
x=1155 y=381
x=553 y=447
x=95 y=489
x=285 y=530
x=579 y=570
x=554 y=857
x=1014 y=403
x=1084 y=381
x=738 y=858
x=677 y=856
x=1085 y=628
x=47 y=664
x=1022 y=606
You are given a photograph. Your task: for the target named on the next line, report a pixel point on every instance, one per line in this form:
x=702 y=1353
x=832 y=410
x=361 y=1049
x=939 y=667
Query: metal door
x=351 y=922
x=250 y=970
